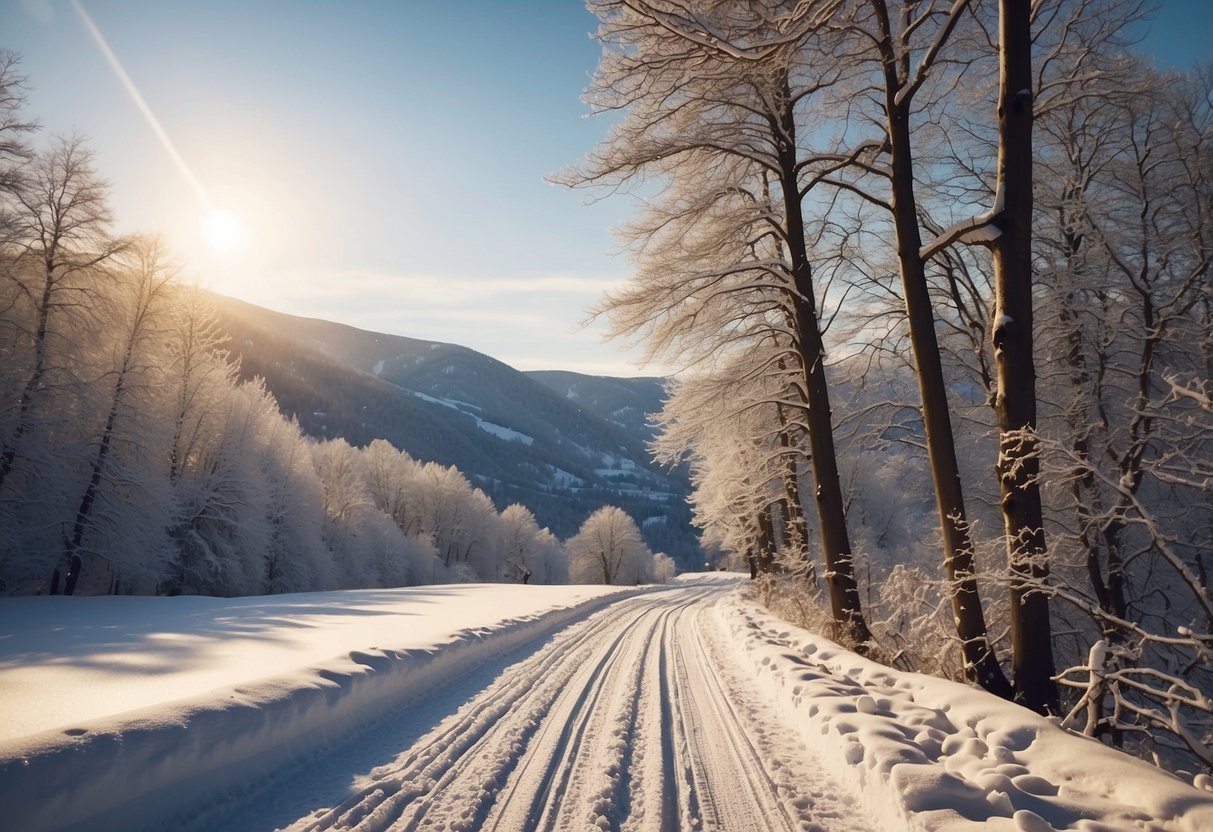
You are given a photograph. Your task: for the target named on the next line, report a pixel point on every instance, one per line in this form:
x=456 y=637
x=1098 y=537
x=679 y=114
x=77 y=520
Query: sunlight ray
x=153 y=122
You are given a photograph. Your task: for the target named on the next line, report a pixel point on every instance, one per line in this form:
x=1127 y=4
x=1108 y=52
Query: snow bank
x=145 y=708
x=929 y=754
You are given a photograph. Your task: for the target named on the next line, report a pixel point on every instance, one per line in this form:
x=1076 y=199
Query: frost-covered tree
x=1127 y=240
x=296 y=559
x=526 y=552
x=220 y=527
x=59 y=239
x=393 y=478
x=459 y=520
x=725 y=248
x=118 y=483
x=348 y=510
x=608 y=549
x=733 y=426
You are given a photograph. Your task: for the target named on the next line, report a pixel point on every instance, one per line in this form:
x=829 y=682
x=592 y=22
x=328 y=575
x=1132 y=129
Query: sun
x=223 y=231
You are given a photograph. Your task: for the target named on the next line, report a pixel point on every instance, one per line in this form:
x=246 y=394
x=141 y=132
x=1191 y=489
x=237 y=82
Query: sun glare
x=223 y=231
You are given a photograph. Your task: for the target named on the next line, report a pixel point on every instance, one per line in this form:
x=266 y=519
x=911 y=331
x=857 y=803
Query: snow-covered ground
x=505 y=707
x=932 y=754
x=116 y=708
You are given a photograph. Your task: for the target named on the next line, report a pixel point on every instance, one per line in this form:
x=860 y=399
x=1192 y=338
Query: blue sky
x=387 y=159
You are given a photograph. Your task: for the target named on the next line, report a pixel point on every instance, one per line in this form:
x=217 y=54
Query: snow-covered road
x=641 y=716
x=679 y=707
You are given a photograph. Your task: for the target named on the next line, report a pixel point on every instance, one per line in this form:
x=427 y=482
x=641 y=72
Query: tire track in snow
x=639 y=717
x=600 y=731
x=718 y=755
x=415 y=773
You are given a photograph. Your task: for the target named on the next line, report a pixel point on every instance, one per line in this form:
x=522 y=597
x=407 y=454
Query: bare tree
x=60 y=238
x=897 y=49
x=15 y=152
x=1128 y=248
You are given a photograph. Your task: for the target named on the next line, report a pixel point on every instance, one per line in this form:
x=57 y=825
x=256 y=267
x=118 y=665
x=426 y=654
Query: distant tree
x=520 y=546
x=458 y=519
x=664 y=568
x=608 y=550
x=347 y=507
x=392 y=477
x=291 y=504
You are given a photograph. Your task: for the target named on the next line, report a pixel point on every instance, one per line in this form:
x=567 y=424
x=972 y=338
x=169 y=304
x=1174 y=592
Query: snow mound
x=937 y=755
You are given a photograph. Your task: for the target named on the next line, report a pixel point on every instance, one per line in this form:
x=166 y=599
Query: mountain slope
x=625 y=402
x=516 y=438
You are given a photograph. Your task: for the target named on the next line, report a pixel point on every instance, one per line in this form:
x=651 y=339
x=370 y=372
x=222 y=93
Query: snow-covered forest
x=134 y=460
x=937 y=282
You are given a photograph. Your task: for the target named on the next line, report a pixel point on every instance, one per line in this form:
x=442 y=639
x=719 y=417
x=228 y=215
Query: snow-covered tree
x=725 y=249
x=118 y=485
x=526 y=552
x=608 y=549
x=58 y=241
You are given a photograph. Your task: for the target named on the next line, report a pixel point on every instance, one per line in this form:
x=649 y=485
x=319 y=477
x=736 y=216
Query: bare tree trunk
x=32 y=384
x=981 y=664
x=1015 y=402
x=764 y=543
x=71 y=548
x=797 y=528
x=836 y=546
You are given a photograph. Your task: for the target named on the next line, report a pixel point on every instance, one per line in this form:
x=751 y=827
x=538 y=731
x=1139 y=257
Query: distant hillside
x=560 y=443
x=625 y=402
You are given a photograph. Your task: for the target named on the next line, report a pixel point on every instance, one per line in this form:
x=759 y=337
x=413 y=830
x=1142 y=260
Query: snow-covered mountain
x=560 y=443
x=624 y=402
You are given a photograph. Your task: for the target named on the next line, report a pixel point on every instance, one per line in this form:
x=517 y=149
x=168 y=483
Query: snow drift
x=285 y=699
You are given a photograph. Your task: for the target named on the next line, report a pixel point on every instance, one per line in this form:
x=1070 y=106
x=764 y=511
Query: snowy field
x=507 y=707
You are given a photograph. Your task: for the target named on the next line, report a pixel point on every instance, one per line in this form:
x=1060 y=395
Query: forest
x=935 y=277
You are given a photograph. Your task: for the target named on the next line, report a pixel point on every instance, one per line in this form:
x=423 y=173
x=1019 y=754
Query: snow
x=85 y=659
x=934 y=754
x=378 y=368
x=564 y=479
x=502 y=432
x=613 y=472
x=128 y=697
x=676 y=707
x=492 y=428
x=617 y=464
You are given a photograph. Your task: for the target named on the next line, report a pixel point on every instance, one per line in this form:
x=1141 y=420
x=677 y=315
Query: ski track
x=640 y=717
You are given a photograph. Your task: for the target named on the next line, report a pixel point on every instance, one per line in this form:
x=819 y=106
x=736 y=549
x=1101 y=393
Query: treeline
x=897 y=246
x=133 y=458
x=328 y=401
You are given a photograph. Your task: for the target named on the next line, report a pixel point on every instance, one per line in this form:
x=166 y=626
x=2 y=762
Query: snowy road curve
x=639 y=717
